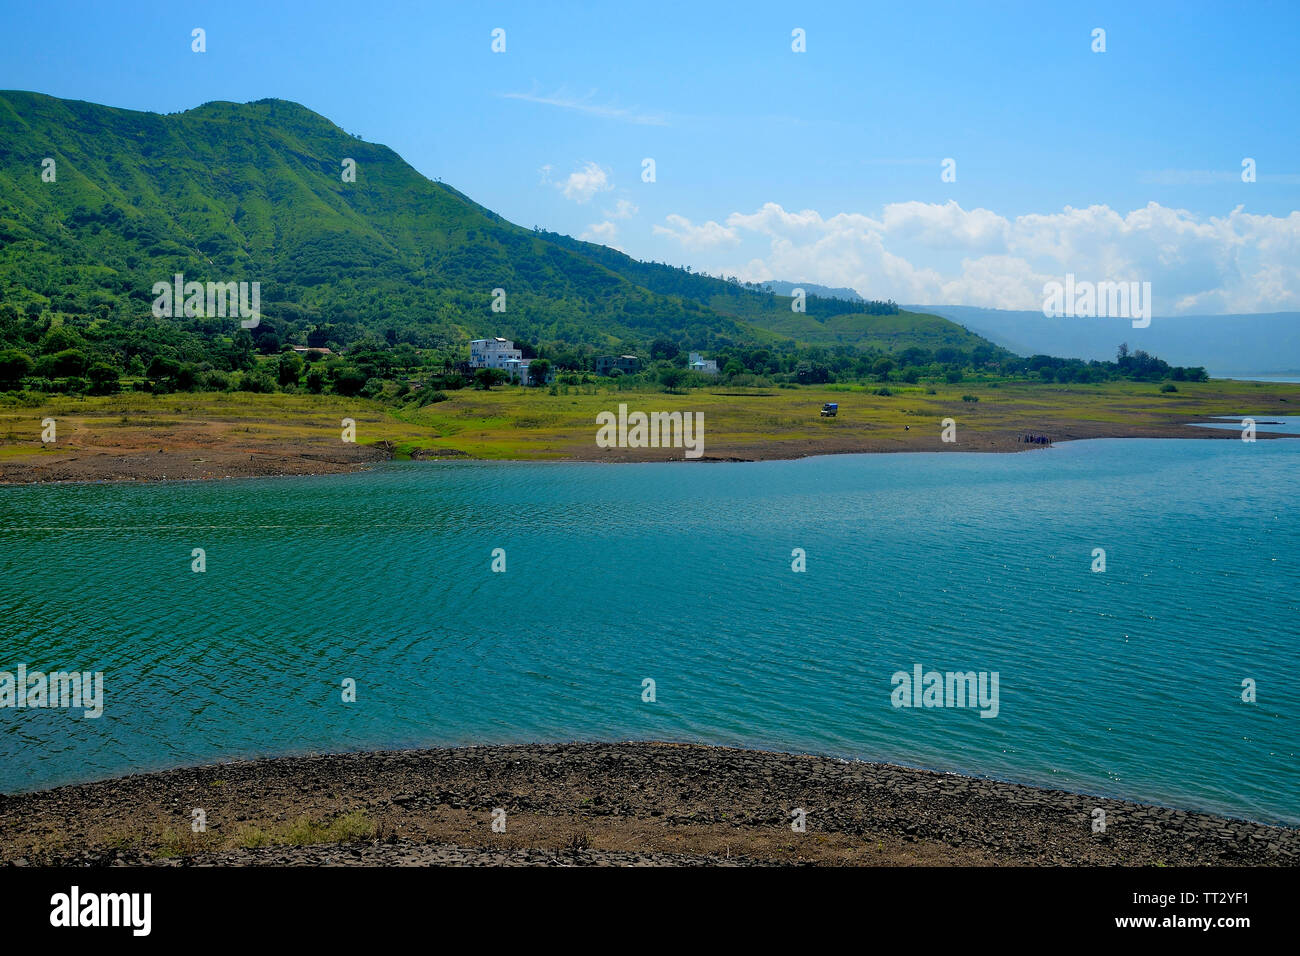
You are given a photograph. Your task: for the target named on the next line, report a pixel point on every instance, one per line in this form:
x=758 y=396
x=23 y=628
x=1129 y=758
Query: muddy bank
x=617 y=804
x=185 y=460
x=191 y=463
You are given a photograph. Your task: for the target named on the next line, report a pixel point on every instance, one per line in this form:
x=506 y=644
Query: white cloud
x=584 y=104
x=584 y=183
x=602 y=232
x=704 y=236
x=940 y=253
x=623 y=209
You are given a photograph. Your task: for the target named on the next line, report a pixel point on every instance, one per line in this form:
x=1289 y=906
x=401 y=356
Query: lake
x=1126 y=682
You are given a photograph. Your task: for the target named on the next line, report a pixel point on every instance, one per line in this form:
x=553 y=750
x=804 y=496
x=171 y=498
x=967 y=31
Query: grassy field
x=529 y=424
x=209 y=434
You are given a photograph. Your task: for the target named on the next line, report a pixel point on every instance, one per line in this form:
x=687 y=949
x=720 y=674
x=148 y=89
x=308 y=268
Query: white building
x=493 y=353
x=518 y=368
x=698 y=364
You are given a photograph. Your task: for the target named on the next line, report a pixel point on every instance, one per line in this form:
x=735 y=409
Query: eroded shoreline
x=616 y=804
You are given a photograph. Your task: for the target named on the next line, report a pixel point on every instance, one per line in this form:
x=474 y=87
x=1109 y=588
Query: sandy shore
x=614 y=804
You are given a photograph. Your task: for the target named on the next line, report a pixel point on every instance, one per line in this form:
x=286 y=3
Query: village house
x=626 y=364
x=519 y=368
x=698 y=364
x=493 y=353
x=501 y=354
x=306 y=350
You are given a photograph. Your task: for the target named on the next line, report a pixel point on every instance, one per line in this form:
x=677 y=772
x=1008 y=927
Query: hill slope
x=254 y=192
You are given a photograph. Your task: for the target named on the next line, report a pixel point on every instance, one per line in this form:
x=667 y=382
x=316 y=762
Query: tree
x=187 y=377
x=485 y=378
x=663 y=350
x=59 y=339
x=160 y=366
x=538 y=370
x=256 y=381
x=349 y=381
x=672 y=379
x=67 y=362
x=882 y=367
x=812 y=373
x=14 y=367
x=289 y=369
x=103 y=379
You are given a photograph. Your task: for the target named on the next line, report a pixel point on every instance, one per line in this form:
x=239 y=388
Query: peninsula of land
x=198 y=436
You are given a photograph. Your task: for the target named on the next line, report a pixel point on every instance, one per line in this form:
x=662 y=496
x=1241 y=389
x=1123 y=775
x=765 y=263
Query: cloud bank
x=944 y=254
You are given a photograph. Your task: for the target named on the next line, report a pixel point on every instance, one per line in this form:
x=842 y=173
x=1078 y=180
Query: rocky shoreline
x=618 y=804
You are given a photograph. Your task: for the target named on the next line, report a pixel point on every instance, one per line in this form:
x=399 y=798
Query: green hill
x=254 y=192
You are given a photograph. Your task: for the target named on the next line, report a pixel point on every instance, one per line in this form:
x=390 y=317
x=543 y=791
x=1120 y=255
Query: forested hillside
x=98 y=204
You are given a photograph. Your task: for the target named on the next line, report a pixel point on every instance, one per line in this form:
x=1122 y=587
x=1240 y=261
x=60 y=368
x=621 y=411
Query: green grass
x=515 y=423
x=348 y=828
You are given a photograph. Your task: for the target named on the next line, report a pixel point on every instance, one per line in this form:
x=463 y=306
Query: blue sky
x=819 y=166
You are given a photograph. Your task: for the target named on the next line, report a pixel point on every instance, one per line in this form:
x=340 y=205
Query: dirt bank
x=622 y=804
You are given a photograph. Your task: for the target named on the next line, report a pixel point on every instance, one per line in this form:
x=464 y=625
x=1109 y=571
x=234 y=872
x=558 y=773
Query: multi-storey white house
x=699 y=364
x=518 y=368
x=493 y=353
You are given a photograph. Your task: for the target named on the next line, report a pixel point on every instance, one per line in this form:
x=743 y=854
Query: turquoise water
x=1124 y=683
x=1271 y=424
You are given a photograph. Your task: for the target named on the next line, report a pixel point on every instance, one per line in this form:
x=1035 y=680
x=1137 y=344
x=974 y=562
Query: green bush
x=14 y=367
x=256 y=381
x=103 y=379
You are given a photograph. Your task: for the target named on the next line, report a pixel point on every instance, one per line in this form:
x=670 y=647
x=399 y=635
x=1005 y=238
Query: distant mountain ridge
x=781 y=287
x=1238 y=344
x=258 y=192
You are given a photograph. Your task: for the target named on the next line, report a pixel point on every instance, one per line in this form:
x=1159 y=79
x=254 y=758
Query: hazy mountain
x=812 y=288
x=1261 y=344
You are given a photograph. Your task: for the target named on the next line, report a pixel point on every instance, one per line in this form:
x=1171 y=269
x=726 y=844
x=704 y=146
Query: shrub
x=257 y=381
x=14 y=366
x=970 y=398
x=1168 y=387
x=69 y=362
x=103 y=379
x=348 y=381
x=216 y=380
